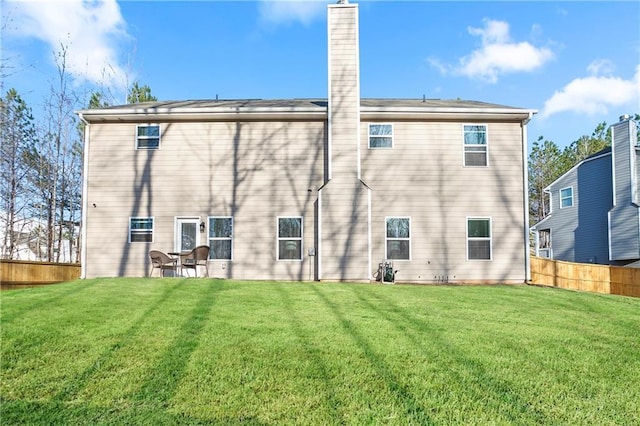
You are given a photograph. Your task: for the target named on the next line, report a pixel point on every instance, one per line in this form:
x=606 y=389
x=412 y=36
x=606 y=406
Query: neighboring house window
x=289 y=238
x=478 y=238
x=380 y=136
x=141 y=230
x=221 y=238
x=544 y=243
x=398 y=238
x=566 y=197
x=475 y=145
x=148 y=137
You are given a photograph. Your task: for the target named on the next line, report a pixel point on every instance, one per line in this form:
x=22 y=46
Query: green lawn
x=197 y=351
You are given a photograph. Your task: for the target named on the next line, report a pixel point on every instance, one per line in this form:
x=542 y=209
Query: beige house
x=311 y=189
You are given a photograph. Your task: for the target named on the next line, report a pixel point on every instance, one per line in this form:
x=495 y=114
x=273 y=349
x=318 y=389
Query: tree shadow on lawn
x=164 y=378
x=415 y=412
x=81 y=381
x=416 y=330
x=313 y=354
x=71 y=413
x=75 y=287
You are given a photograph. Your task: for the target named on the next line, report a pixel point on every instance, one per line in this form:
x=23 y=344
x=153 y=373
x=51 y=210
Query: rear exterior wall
x=257 y=171
x=253 y=171
x=423 y=177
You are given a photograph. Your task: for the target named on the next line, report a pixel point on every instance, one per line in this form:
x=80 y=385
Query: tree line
x=41 y=167
x=41 y=160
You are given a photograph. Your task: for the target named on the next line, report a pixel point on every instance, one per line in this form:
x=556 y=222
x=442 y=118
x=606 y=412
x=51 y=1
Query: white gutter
x=319 y=113
x=319 y=241
x=449 y=110
x=85 y=202
x=369 y=248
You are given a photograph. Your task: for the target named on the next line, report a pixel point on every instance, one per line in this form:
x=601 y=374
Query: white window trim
x=464 y=145
x=540 y=249
x=490 y=238
x=152 y=230
x=561 y=198
x=386 y=239
x=369 y=136
x=137 y=138
x=301 y=238
x=221 y=238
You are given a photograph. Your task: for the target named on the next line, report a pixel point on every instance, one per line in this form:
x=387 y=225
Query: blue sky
x=577 y=63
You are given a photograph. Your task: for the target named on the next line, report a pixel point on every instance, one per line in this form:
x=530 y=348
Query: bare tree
x=17 y=134
x=55 y=165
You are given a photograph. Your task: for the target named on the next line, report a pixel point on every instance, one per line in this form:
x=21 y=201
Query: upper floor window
x=566 y=197
x=221 y=238
x=398 y=238
x=289 y=238
x=148 y=137
x=479 y=238
x=475 y=145
x=141 y=230
x=380 y=136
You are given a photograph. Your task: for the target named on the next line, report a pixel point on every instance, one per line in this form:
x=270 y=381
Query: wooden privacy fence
x=21 y=271
x=586 y=277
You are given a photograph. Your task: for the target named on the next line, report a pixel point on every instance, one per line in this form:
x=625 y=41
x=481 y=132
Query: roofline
x=220 y=113
x=318 y=113
x=593 y=157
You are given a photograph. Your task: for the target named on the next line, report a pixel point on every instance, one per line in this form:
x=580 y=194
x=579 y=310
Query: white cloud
x=498 y=54
x=601 y=67
x=285 y=12
x=90 y=30
x=594 y=94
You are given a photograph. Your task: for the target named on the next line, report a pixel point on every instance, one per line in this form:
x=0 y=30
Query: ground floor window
x=289 y=238
x=221 y=237
x=398 y=238
x=141 y=230
x=479 y=238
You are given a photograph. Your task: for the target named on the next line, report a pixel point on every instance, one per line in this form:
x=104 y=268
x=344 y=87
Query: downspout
x=525 y=180
x=85 y=185
x=319 y=242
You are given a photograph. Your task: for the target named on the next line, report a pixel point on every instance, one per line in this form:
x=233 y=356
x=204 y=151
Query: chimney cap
x=624 y=117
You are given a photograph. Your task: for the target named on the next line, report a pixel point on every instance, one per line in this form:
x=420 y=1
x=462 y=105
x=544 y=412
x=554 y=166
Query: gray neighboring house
x=595 y=209
x=311 y=189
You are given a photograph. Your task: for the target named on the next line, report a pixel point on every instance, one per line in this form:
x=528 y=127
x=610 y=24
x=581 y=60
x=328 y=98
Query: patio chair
x=199 y=256
x=163 y=262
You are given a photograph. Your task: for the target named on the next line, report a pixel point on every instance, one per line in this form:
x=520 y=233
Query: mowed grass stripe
x=199 y=351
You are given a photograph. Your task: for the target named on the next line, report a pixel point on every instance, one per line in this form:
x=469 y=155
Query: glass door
x=187 y=236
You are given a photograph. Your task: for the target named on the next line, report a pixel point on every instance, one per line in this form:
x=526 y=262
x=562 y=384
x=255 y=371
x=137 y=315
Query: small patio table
x=176 y=255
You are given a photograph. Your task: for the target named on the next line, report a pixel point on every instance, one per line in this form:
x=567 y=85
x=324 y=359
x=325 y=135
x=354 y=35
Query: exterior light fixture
x=201 y=226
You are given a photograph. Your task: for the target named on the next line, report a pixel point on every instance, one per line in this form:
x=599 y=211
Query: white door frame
x=177 y=234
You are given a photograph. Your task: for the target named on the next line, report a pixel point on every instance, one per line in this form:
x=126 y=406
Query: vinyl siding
x=624 y=222
x=344 y=231
x=344 y=89
x=253 y=171
x=423 y=177
x=593 y=188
